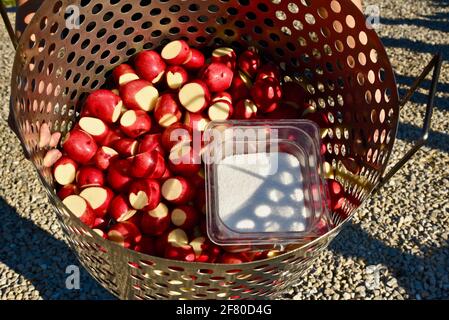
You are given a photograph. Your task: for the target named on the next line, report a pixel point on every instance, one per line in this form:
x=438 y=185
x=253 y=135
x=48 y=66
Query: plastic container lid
x=263 y=182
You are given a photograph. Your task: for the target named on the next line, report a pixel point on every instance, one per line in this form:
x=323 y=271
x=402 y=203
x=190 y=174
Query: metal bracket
x=435 y=65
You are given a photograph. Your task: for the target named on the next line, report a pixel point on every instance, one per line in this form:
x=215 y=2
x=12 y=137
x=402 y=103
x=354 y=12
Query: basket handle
x=435 y=65
x=8 y=25
x=14 y=40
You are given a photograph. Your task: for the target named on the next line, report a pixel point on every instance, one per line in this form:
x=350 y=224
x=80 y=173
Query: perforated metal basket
x=324 y=44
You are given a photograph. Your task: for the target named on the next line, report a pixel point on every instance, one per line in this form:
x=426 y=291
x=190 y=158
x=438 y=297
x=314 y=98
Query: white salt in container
x=263 y=182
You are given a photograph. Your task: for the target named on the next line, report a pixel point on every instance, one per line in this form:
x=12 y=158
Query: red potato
x=237 y=248
x=179 y=252
x=67 y=190
x=101 y=233
x=176 y=77
x=307 y=108
x=266 y=93
x=89 y=176
x=167 y=110
x=198 y=179
x=118 y=175
x=176 y=52
x=150 y=142
x=177 y=190
x=217 y=77
x=161 y=243
x=123 y=111
x=321 y=120
x=167 y=174
x=135 y=123
x=284 y=111
x=125 y=234
x=251 y=255
x=294 y=94
x=269 y=70
x=101 y=223
x=87 y=113
x=146 y=245
x=144 y=194
x=99 y=198
x=64 y=171
x=196 y=231
x=194 y=96
x=123 y=74
x=200 y=200
x=196 y=121
x=226 y=56
x=336 y=194
x=178 y=236
x=139 y=95
x=120 y=210
x=184 y=160
x=175 y=134
x=258 y=255
x=220 y=110
x=222 y=96
x=104 y=105
x=245 y=109
x=95 y=127
x=240 y=86
x=155 y=127
x=249 y=63
x=150 y=66
x=155 y=222
x=114 y=135
x=184 y=217
x=126 y=147
x=203 y=226
x=136 y=219
x=117 y=92
x=103 y=157
x=195 y=61
x=205 y=251
x=149 y=164
x=232 y=258
x=80 y=146
x=160 y=169
x=323 y=149
x=81 y=209
x=272 y=253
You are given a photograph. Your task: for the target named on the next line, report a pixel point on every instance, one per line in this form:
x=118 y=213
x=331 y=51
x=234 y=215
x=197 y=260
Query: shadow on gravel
x=438 y=21
x=421 y=98
x=415 y=274
x=42 y=259
x=437 y=140
x=417 y=46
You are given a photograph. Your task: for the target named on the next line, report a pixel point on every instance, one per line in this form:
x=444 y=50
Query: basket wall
x=323 y=44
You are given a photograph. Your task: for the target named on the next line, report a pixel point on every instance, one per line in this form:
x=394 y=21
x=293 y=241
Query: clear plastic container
x=263 y=182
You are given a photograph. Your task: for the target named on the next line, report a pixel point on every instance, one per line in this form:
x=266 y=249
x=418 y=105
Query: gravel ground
x=395 y=248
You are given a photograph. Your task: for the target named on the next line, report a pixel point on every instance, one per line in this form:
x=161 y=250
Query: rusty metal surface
x=325 y=44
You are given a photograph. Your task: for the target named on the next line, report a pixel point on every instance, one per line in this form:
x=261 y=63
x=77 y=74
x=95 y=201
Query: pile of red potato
x=124 y=175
